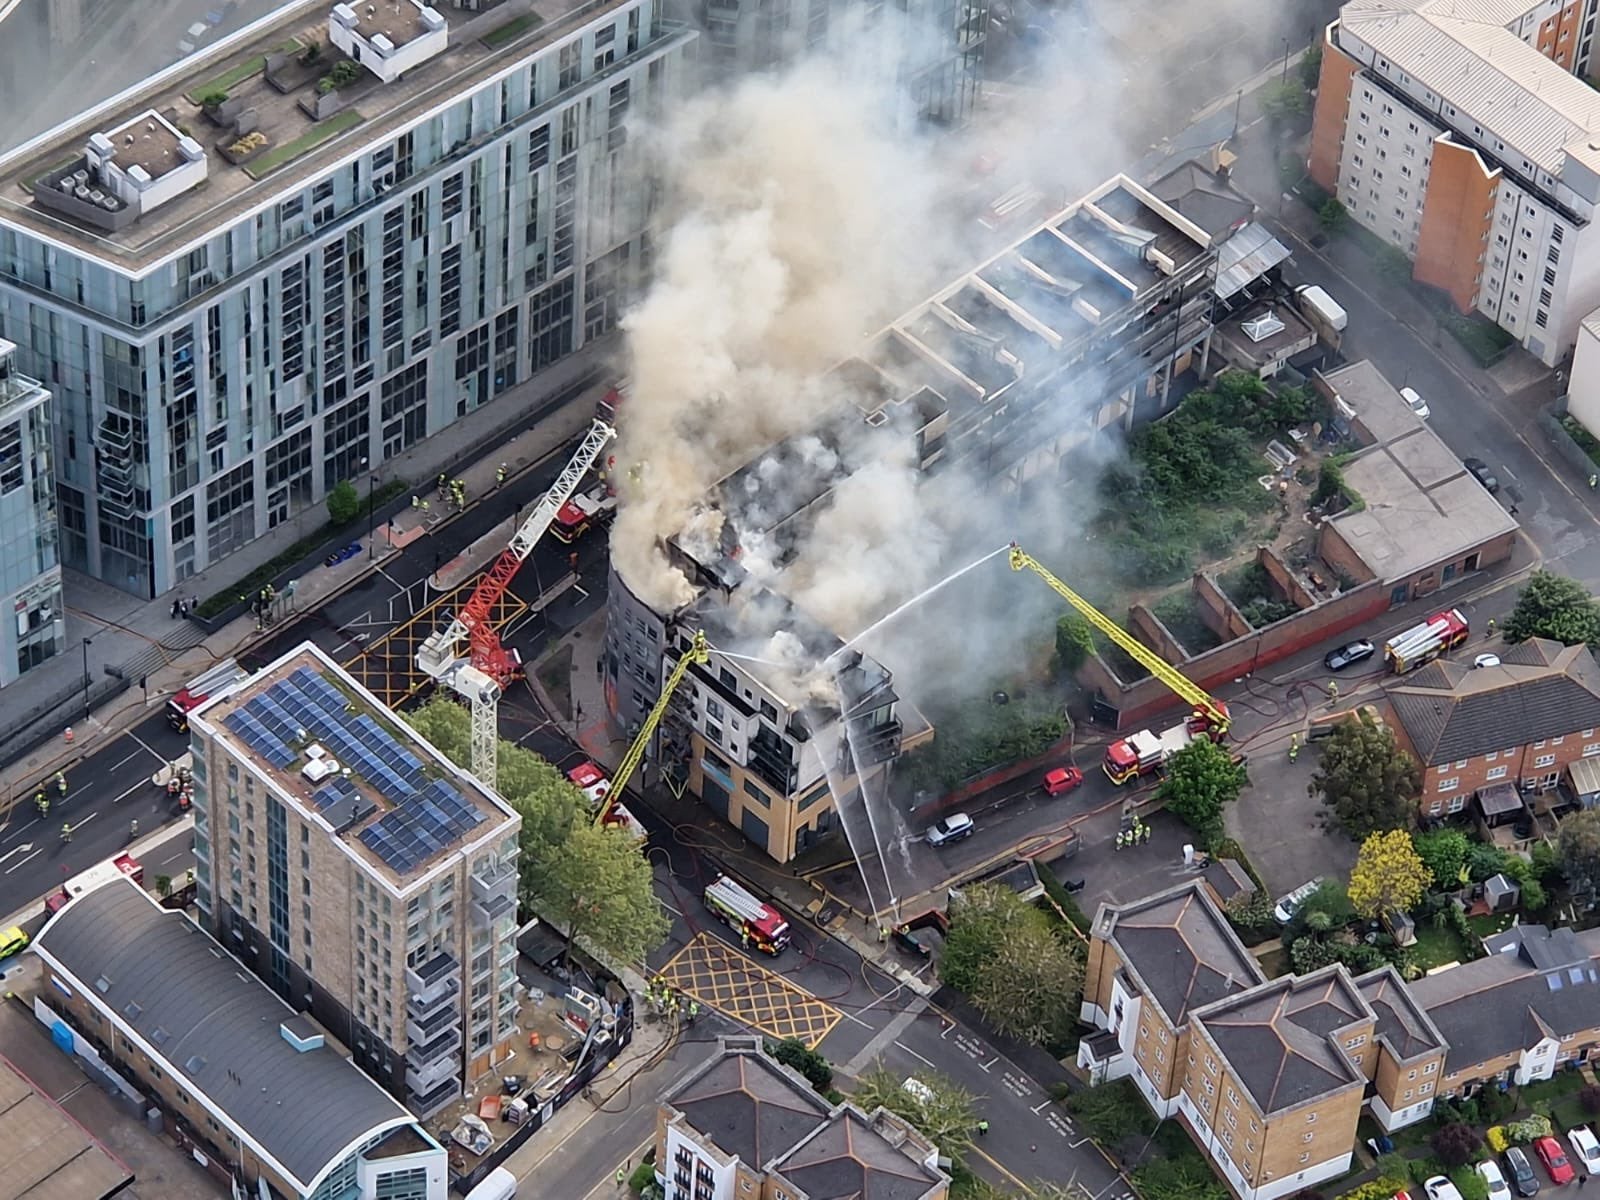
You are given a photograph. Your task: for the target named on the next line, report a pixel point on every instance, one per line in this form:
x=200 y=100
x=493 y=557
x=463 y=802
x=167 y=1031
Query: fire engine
x=200 y=689
x=759 y=924
x=595 y=785
x=112 y=868
x=577 y=516
x=1144 y=752
x=1425 y=642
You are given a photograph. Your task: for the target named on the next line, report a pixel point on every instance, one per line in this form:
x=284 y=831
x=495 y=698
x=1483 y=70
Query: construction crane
x=1213 y=713
x=489 y=667
x=698 y=654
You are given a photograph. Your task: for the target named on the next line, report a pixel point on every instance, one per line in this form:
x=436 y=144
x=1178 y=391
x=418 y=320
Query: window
x=1308 y=1135
x=1457 y=803
x=1311 y=1118
x=1449 y=785
x=1359 y=1040
x=1500 y=772
x=1544 y=760
x=1306 y=1157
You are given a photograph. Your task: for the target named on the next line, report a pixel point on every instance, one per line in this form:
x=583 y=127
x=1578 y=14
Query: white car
x=1440 y=1188
x=1415 y=402
x=1486 y=660
x=1586 y=1149
x=950 y=829
x=1489 y=1172
x=192 y=39
x=917 y=1090
x=1290 y=904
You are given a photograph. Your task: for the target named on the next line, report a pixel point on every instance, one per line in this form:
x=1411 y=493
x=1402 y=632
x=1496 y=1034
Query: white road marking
x=24 y=862
x=914 y=1054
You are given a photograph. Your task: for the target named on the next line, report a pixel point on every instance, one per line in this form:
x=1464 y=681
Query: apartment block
x=262 y=1091
x=1464 y=136
x=292 y=257
x=1270 y=1076
x=30 y=562
x=360 y=873
x=1515 y=727
x=744 y=1127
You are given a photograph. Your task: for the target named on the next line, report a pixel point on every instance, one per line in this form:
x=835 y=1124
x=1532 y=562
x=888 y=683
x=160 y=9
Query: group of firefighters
x=180 y=787
x=666 y=1000
x=1133 y=834
x=455 y=490
x=41 y=798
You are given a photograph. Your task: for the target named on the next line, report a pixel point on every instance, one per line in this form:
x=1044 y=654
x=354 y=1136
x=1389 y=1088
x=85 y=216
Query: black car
x=1523 y=1180
x=1481 y=472
x=1349 y=654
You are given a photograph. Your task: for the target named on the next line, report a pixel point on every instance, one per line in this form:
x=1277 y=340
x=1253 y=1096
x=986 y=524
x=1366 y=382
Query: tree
x=942 y=1111
x=1444 y=853
x=1367 y=782
x=1333 y=216
x=1455 y=1144
x=1029 y=987
x=343 y=503
x=1284 y=100
x=1389 y=876
x=1202 y=779
x=163 y=886
x=1074 y=641
x=1553 y=606
x=975 y=930
x=1112 y=1111
x=1578 y=850
x=1311 y=66
x=792 y=1052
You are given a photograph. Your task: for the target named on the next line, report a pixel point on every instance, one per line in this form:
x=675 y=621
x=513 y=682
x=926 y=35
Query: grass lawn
x=240 y=73
x=1560 y=1091
x=1436 y=947
x=513 y=29
x=319 y=133
x=1490 y=923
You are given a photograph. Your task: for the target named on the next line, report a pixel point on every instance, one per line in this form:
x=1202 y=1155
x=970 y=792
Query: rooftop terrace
x=281 y=131
x=383 y=792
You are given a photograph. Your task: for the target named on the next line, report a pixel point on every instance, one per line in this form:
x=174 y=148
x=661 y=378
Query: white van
x=498 y=1184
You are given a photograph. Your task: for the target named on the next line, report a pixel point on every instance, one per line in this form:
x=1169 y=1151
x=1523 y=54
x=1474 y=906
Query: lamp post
x=371 y=483
x=86 y=643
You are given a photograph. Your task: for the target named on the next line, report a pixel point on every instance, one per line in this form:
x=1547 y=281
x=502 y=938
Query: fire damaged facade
x=1110 y=298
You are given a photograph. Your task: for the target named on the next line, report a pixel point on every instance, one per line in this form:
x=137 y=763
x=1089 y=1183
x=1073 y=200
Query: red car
x=1554 y=1159
x=1062 y=780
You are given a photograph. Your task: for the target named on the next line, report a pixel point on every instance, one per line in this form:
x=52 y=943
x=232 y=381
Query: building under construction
x=1110 y=298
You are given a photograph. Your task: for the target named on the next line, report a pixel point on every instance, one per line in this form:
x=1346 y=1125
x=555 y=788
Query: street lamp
x=372 y=480
x=86 y=643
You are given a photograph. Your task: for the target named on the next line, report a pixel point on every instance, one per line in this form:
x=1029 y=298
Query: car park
x=1523 y=1181
x=1493 y=1180
x=1290 y=904
x=1440 y=1188
x=1555 y=1160
x=1415 y=402
x=1481 y=472
x=950 y=829
x=1349 y=654
x=1586 y=1149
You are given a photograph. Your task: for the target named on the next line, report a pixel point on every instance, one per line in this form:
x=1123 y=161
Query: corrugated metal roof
x=1245 y=257
x=1462 y=50
x=173 y=988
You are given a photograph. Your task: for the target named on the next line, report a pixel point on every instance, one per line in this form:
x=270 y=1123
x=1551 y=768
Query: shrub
x=1589 y=1098
x=1112 y=1111
x=344 y=505
x=215 y=98
x=1529 y=1129
x=1456 y=1144
x=792 y=1052
x=1496 y=1139
x=1382 y=1188
x=1333 y=216
x=1469 y=1183
x=644 y=1175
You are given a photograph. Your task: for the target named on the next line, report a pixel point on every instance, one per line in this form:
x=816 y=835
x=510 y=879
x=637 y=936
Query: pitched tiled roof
x=1179 y=948
x=749 y=1106
x=1540 y=690
x=1280 y=1040
x=848 y=1159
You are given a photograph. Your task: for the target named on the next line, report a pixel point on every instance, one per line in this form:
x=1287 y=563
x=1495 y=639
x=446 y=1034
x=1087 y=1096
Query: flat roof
x=390 y=796
x=49 y=1156
x=1294 y=332
x=216 y=1029
x=1420 y=506
x=1464 y=51
x=374 y=111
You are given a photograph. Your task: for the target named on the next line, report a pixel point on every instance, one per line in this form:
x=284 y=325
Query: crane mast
x=1215 y=715
x=698 y=654
x=489 y=667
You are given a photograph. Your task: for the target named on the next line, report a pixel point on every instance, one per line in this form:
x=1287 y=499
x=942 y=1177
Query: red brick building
x=1522 y=722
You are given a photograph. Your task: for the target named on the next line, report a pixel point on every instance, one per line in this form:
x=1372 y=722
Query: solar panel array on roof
x=407 y=836
x=335 y=789
x=259 y=738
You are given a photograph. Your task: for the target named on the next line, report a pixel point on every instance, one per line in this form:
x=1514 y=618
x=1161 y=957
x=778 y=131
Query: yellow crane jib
x=1214 y=714
x=698 y=654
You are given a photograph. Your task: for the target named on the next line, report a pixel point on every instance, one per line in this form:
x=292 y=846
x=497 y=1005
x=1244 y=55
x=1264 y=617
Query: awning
x=1246 y=257
x=1499 y=799
x=1585 y=776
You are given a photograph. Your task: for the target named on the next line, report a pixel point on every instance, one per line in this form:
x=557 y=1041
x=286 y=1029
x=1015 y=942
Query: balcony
x=445 y=1047
x=486 y=912
x=422 y=1028
x=491 y=881
x=436 y=979
x=426 y=1103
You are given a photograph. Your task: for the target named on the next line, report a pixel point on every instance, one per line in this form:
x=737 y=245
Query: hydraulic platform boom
x=698 y=653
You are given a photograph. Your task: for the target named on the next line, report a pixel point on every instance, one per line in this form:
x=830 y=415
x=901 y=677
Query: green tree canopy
x=344 y=505
x=1074 y=641
x=1366 y=781
x=1444 y=853
x=942 y=1110
x=1202 y=779
x=1553 y=606
x=1578 y=851
x=1005 y=954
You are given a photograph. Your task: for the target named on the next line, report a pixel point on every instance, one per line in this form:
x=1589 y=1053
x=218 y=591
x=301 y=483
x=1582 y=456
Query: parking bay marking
x=1015 y=1084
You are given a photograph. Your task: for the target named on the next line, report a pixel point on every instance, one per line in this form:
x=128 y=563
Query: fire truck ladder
x=489 y=667
x=1180 y=684
x=698 y=654
x=736 y=899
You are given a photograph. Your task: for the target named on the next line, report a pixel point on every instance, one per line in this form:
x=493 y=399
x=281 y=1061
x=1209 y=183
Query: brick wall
x=1286 y=581
x=1217 y=611
x=1455 y=782
x=1153 y=632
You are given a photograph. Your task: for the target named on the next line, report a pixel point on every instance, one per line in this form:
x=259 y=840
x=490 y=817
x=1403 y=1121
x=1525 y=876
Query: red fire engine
x=577 y=516
x=596 y=785
x=758 y=924
x=1143 y=752
x=200 y=689
x=1425 y=642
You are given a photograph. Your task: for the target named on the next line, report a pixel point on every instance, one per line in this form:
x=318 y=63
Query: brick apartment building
x=1465 y=135
x=1522 y=723
x=1270 y=1076
x=744 y=1127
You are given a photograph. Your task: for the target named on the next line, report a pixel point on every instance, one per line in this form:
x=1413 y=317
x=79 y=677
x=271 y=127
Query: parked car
x=12 y=941
x=1481 y=472
x=1415 y=402
x=1554 y=1159
x=950 y=829
x=1440 y=1188
x=1492 y=1178
x=1586 y=1149
x=191 y=40
x=1062 y=780
x=1348 y=655
x=1486 y=660
x=1290 y=904
x=1523 y=1181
